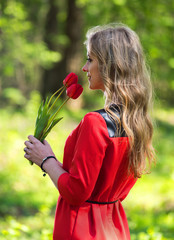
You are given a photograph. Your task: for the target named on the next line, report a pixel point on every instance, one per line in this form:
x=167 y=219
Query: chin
x=90 y=87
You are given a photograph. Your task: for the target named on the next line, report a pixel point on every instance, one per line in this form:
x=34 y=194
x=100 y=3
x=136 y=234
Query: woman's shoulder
x=101 y=117
x=93 y=122
x=92 y=118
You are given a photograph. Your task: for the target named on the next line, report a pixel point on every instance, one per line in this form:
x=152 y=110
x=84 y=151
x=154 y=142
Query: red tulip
x=74 y=91
x=70 y=79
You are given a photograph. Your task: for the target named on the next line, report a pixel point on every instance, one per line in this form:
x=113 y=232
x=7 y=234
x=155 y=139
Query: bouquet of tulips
x=46 y=118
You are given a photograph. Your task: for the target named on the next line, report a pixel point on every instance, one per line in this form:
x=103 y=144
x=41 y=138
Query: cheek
x=100 y=81
x=98 y=75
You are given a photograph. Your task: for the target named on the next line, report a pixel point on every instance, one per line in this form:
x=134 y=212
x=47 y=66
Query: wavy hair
x=127 y=84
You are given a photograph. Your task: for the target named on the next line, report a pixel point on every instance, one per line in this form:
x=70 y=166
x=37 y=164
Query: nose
x=84 y=68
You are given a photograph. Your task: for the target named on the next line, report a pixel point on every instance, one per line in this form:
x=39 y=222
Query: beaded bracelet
x=41 y=166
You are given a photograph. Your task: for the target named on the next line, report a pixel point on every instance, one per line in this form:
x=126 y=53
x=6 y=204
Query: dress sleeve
x=77 y=185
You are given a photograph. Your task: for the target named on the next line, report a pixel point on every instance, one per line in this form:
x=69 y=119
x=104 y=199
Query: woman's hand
x=36 y=151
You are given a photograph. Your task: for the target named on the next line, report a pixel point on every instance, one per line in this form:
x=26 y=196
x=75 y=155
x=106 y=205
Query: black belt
x=95 y=202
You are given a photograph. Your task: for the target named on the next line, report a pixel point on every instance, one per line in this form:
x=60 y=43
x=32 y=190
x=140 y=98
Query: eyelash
x=89 y=59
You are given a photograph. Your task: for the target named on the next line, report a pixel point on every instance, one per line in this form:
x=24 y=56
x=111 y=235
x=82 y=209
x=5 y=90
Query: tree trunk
x=52 y=78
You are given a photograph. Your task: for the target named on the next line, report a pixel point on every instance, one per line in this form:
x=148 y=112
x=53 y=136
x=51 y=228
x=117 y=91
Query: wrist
x=44 y=161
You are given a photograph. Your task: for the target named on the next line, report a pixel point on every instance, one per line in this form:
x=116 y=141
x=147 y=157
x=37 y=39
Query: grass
x=28 y=201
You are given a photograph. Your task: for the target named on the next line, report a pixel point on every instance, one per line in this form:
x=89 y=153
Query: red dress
x=97 y=170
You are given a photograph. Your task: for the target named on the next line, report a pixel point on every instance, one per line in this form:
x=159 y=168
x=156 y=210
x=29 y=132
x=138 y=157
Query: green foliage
x=24 y=51
x=14 y=97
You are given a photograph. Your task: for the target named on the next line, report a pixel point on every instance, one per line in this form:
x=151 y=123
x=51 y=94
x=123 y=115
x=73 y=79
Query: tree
x=53 y=77
x=41 y=41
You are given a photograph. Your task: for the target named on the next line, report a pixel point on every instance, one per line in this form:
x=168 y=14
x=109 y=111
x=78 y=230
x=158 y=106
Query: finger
x=27 y=156
x=32 y=139
x=46 y=143
x=27 y=150
x=28 y=144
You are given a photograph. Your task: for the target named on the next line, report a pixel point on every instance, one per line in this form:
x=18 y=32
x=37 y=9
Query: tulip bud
x=70 y=79
x=74 y=91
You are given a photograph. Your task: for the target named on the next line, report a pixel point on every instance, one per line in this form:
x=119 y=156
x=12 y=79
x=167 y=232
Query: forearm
x=54 y=170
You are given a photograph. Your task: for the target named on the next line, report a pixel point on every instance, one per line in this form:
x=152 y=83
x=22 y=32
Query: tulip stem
x=66 y=100
x=56 y=98
x=55 y=94
x=54 y=115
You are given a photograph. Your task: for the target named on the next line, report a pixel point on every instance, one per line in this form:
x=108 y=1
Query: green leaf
x=39 y=112
x=45 y=108
x=54 y=122
x=40 y=109
x=41 y=125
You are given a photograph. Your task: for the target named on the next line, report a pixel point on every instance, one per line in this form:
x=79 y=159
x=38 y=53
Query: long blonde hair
x=127 y=84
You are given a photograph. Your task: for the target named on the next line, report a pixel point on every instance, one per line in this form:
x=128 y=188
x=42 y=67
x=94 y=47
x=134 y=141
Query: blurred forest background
x=41 y=41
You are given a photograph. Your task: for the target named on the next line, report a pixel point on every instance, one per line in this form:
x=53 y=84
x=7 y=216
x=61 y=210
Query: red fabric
x=97 y=170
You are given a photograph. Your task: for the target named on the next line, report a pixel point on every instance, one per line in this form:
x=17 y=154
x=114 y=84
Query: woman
x=107 y=152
